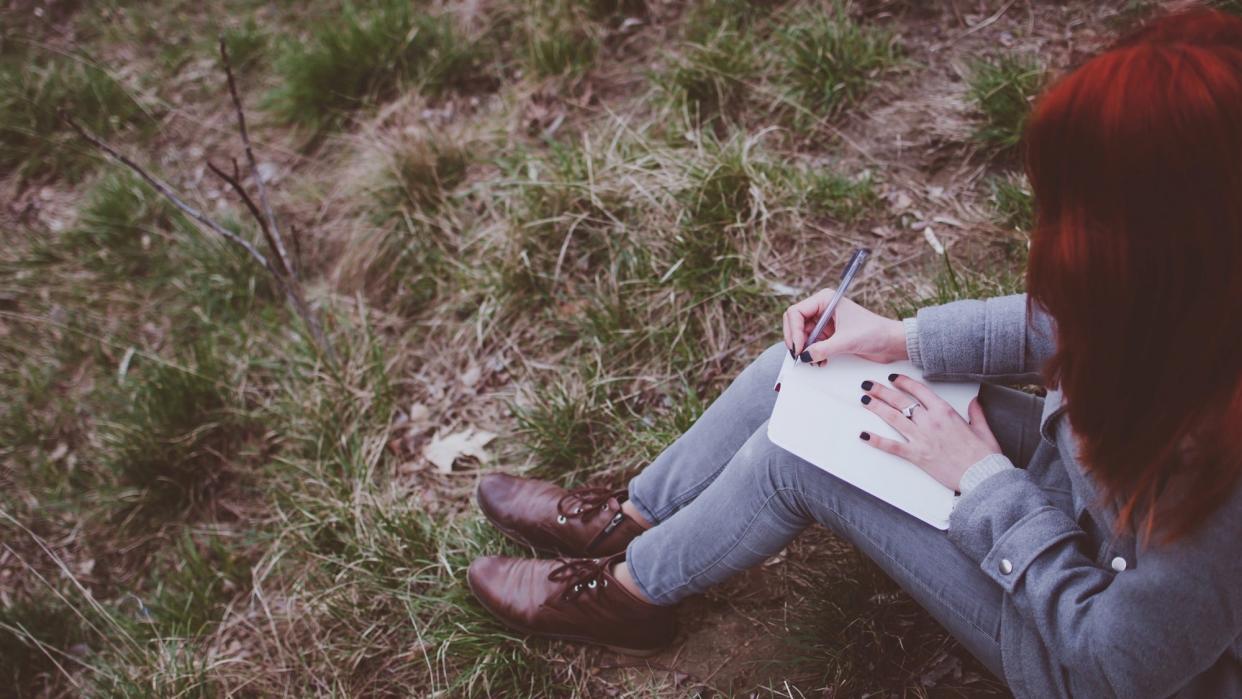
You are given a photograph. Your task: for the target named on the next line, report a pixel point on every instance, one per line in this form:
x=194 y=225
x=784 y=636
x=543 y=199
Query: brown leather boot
x=571 y=600
x=578 y=523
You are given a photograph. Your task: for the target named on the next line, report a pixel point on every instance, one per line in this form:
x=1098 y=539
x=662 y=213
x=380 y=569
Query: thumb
x=979 y=421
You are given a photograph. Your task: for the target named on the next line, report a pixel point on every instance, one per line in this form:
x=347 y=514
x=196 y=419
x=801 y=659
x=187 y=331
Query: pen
x=857 y=260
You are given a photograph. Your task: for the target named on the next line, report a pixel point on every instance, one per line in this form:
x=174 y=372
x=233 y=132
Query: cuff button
x=1118 y=564
x=1006 y=566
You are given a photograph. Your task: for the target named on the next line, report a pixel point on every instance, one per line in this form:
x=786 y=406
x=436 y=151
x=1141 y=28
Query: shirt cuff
x=912 y=341
x=983 y=469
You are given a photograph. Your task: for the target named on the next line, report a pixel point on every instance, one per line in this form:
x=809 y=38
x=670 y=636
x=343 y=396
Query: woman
x=1094 y=548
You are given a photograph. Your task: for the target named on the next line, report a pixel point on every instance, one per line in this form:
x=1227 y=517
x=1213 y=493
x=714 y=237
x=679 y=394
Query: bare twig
x=168 y=192
x=271 y=229
x=234 y=182
x=287 y=283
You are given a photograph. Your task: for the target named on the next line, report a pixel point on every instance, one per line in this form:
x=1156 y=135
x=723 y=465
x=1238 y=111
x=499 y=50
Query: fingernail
x=865 y=399
x=792 y=353
x=805 y=356
x=864 y=437
x=892 y=377
x=867 y=385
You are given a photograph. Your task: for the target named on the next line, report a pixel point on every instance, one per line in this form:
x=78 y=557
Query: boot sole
x=518 y=538
x=635 y=652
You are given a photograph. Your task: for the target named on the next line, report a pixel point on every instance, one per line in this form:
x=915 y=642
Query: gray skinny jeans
x=723 y=499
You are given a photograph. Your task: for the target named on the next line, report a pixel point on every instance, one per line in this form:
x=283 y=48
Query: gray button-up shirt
x=1087 y=613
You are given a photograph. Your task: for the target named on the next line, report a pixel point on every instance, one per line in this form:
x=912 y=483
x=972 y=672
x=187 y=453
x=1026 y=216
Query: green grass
x=175 y=438
x=126 y=229
x=711 y=79
x=38 y=632
x=709 y=18
x=248 y=43
x=1012 y=202
x=563 y=430
x=560 y=38
x=1002 y=90
x=954 y=282
x=845 y=199
x=128 y=232
x=34 y=87
x=365 y=55
x=830 y=60
x=197 y=584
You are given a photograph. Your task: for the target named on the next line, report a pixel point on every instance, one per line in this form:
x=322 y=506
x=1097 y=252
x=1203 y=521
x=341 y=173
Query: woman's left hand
x=938 y=440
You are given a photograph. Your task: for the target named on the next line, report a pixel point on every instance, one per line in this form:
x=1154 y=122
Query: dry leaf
x=443 y=451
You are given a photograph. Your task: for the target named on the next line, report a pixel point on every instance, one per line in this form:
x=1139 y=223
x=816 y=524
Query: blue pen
x=857 y=261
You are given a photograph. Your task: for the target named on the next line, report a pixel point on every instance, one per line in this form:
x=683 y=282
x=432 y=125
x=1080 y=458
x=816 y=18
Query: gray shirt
x=1087 y=613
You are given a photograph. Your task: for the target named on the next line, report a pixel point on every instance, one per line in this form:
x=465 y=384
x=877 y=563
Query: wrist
x=895 y=341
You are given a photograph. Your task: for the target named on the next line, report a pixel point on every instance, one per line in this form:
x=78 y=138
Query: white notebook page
x=818 y=417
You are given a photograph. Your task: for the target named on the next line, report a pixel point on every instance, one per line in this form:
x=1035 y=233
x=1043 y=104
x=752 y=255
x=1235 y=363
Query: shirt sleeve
x=981 y=340
x=1144 y=631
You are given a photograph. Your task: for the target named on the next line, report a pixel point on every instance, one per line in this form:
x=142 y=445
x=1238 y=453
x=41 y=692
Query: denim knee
x=772 y=470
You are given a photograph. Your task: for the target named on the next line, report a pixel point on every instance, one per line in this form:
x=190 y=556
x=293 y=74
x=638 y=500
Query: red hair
x=1135 y=159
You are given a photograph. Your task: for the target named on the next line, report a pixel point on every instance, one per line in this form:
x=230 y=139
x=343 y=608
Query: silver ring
x=908 y=411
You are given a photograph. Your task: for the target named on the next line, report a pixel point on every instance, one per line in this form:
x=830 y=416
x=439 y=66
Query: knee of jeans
x=773 y=469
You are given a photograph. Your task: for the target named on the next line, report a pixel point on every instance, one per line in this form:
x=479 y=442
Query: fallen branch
x=169 y=193
x=277 y=262
x=273 y=232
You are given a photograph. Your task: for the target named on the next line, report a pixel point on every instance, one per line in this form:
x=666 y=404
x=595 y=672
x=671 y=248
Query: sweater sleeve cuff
x=983 y=469
x=912 y=341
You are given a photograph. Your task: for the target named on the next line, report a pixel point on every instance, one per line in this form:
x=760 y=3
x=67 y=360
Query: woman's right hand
x=852 y=330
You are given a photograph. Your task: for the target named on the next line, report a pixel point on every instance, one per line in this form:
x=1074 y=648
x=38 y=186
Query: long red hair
x=1135 y=160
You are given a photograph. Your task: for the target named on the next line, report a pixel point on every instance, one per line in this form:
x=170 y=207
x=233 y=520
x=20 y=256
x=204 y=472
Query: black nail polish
x=864 y=437
x=892 y=377
x=805 y=357
x=792 y=353
x=865 y=399
x=867 y=385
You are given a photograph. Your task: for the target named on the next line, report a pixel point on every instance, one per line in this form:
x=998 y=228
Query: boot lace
x=580 y=574
x=583 y=502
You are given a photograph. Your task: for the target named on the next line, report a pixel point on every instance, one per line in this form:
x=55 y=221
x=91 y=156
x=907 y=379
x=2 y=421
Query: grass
x=364 y=55
x=713 y=17
x=830 y=60
x=1013 y=202
x=560 y=38
x=891 y=639
x=125 y=228
x=1002 y=89
x=711 y=79
x=247 y=42
x=129 y=232
x=846 y=199
x=571 y=224
x=563 y=430
x=176 y=436
x=37 y=632
x=34 y=87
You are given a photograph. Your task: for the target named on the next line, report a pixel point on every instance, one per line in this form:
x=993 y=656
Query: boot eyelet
x=577 y=588
x=560 y=519
x=591 y=584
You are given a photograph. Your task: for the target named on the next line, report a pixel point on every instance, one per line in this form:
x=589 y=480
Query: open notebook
x=818 y=417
